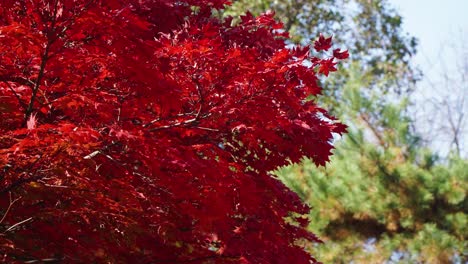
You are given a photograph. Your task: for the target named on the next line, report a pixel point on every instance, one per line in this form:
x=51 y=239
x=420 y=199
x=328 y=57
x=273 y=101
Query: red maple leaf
x=341 y=55
x=327 y=66
x=323 y=43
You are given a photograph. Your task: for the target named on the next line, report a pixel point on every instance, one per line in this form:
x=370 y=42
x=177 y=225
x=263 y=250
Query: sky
x=434 y=22
x=442 y=30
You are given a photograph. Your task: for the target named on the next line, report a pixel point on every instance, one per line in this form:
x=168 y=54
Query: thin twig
x=99 y=151
x=9 y=207
x=17 y=224
x=23 y=104
x=67 y=187
x=152 y=122
x=45 y=260
x=178 y=124
x=207 y=128
x=23 y=180
x=15 y=79
x=92 y=154
x=186 y=122
x=171 y=117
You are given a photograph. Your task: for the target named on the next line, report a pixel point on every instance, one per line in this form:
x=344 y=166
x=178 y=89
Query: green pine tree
x=384 y=196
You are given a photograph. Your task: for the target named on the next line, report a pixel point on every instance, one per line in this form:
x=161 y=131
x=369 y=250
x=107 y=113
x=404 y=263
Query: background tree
x=442 y=119
x=384 y=196
x=144 y=132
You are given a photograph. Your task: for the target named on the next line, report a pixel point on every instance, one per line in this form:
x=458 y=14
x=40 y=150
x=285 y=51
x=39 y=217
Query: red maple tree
x=143 y=131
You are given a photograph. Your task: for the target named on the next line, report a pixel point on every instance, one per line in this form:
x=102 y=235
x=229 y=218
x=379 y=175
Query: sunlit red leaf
x=323 y=43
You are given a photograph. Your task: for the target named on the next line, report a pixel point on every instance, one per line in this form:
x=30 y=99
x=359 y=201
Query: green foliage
x=383 y=195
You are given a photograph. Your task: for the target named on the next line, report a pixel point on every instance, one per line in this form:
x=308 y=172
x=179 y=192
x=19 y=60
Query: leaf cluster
x=144 y=131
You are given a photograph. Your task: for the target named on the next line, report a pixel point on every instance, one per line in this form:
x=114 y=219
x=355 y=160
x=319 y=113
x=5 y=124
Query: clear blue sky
x=442 y=30
x=436 y=23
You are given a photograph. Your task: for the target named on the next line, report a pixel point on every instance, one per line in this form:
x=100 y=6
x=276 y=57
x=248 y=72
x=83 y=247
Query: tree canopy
x=144 y=132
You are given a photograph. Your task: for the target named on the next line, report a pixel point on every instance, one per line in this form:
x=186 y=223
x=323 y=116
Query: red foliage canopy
x=143 y=131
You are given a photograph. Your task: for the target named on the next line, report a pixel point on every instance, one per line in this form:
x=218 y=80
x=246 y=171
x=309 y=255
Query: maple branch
x=45 y=260
x=177 y=124
x=152 y=122
x=9 y=207
x=195 y=119
x=44 y=58
x=207 y=128
x=20 y=80
x=17 y=224
x=92 y=154
x=23 y=180
x=18 y=183
x=174 y=116
x=35 y=89
x=66 y=187
x=100 y=151
x=186 y=122
x=20 y=101
x=47 y=102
